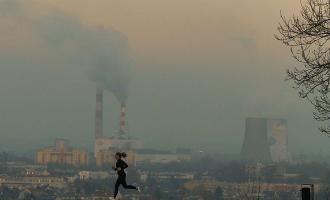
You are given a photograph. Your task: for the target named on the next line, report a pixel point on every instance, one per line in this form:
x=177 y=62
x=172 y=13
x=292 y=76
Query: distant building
x=58 y=182
x=23 y=166
x=34 y=172
x=61 y=153
x=106 y=147
x=171 y=175
x=266 y=140
x=106 y=143
x=158 y=156
x=87 y=175
x=135 y=156
x=107 y=156
x=246 y=187
x=277 y=132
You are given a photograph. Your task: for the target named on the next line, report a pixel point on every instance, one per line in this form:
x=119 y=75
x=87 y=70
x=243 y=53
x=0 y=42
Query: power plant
x=105 y=147
x=123 y=133
x=265 y=141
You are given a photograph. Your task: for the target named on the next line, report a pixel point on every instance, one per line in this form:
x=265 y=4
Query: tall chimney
x=122 y=121
x=99 y=113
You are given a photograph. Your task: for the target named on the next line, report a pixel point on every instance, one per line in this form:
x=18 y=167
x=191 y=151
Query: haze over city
x=198 y=69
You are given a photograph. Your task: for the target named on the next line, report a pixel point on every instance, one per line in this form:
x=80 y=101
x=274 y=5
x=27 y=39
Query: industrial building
x=98 y=134
x=61 y=153
x=113 y=143
x=106 y=156
x=106 y=147
x=136 y=156
x=265 y=141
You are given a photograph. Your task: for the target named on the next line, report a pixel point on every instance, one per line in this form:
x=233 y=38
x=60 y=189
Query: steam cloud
x=104 y=51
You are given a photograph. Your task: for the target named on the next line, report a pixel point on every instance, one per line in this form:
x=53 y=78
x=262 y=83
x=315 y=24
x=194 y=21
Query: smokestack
x=122 y=121
x=99 y=113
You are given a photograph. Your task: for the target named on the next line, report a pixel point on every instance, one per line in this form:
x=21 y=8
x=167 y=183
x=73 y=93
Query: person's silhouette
x=120 y=168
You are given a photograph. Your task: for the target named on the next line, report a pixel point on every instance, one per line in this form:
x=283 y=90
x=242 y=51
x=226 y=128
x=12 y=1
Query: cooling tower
x=99 y=114
x=255 y=146
x=278 y=140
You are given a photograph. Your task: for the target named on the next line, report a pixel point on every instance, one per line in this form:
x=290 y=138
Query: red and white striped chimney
x=99 y=114
x=122 y=121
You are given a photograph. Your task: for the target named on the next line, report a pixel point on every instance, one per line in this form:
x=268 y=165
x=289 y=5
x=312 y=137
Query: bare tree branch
x=308 y=35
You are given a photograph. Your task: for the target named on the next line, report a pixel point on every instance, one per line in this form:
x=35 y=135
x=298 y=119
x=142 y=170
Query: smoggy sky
x=200 y=68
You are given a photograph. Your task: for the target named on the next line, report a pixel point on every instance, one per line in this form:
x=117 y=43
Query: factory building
x=138 y=156
x=106 y=157
x=106 y=147
x=265 y=141
x=106 y=143
x=61 y=153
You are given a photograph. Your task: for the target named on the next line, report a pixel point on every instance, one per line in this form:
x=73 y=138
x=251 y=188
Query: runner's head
x=120 y=155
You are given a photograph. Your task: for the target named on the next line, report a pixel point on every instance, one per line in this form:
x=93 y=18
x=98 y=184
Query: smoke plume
x=67 y=41
x=111 y=62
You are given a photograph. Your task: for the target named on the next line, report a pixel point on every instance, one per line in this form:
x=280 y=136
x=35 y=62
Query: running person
x=120 y=168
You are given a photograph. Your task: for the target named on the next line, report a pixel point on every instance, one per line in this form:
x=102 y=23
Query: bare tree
x=308 y=34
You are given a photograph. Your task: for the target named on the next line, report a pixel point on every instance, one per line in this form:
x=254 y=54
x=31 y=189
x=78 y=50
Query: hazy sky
x=200 y=68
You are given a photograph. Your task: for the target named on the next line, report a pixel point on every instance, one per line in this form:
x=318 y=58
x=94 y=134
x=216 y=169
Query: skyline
x=195 y=77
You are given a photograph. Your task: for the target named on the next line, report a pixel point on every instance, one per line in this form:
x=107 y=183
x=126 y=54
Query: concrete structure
x=105 y=147
x=265 y=141
x=62 y=154
x=255 y=147
x=99 y=114
x=278 y=139
x=104 y=143
x=107 y=143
